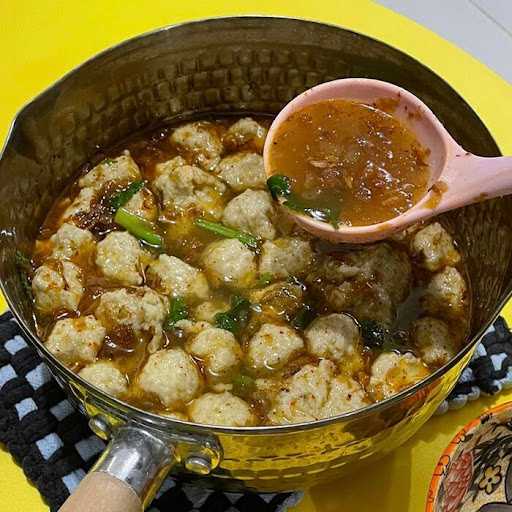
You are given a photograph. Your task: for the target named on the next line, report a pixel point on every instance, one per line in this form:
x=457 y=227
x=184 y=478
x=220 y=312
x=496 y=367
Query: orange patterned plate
x=474 y=474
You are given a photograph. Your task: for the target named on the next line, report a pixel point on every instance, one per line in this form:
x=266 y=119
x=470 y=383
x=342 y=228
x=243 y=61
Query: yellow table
x=42 y=39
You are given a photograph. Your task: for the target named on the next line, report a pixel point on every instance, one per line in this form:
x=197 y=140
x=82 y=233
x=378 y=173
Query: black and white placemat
x=51 y=440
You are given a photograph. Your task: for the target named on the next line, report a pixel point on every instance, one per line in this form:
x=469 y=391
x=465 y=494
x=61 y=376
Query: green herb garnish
x=280 y=186
x=108 y=161
x=237 y=317
x=303 y=317
x=177 y=311
x=24 y=267
x=325 y=214
x=376 y=336
x=219 y=229
x=243 y=385
x=121 y=198
x=138 y=227
x=265 y=279
x=22 y=261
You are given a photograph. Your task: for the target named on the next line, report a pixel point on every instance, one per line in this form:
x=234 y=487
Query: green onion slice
x=219 y=229
x=138 y=227
x=121 y=198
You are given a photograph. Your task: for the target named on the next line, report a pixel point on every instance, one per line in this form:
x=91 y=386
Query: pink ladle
x=458 y=178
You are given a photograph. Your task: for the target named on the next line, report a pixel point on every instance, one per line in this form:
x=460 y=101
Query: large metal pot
x=247 y=64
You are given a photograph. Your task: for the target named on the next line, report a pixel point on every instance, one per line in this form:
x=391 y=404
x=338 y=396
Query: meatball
x=251 y=211
x=342 y=287
x=221 y=409
x=171 y=276
x=190 y=327
x=206 y=311
x=120 y=170
x=369 y=283
x=242 y=171
x=315 y=392
x=229 y=262
x=199 y=141
x=285 y=256
x=70 y=241
x=333 y=337
x=75 y=340
x=434 y=341
x=445 y=294
x=169 y=165
x=143 y=204
x=105 y=376
x=81 y=204
x=404 y=235
x=172 y=376
x=246 y=130
x=387 y=266
x=219 y=352
x=435 y=246
x=186 y=187
x=140 y=309
x=120 y=257
x=392 y=372
x=57 y=287
x=272 y=347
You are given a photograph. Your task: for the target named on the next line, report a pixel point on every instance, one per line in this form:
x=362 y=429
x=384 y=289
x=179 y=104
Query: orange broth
x=354 y=158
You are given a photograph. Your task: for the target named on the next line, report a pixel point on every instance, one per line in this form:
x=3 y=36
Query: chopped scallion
x=303 y=317
x=243 y=385
x=376 y=336
x=280 y=186
x=121 y=198
x=219 y=229
x=138 y=227
x=265 y=279
x=177 y=311
x=237 y=317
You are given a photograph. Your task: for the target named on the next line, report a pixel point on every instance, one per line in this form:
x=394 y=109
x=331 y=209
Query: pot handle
x=127 y=475
x=101 y=492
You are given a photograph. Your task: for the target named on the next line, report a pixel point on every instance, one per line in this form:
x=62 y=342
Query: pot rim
x=160 y=421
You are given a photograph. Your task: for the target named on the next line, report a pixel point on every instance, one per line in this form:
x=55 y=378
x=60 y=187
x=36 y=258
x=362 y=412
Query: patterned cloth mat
x=52 y=442
x=488 y=372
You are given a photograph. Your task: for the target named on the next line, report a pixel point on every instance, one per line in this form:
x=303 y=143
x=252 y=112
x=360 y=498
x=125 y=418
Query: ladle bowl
x=457 y=178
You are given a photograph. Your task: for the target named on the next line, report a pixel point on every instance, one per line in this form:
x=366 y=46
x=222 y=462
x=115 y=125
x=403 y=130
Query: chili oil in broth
x=344 y=170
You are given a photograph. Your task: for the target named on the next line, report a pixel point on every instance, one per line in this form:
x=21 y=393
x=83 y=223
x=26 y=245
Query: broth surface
x=236 y=316
x=355 y=158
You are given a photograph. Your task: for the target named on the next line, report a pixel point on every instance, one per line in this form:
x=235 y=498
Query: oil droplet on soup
x=354 y=158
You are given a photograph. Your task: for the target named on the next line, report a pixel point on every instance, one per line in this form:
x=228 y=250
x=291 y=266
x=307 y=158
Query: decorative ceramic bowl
x=474 y=474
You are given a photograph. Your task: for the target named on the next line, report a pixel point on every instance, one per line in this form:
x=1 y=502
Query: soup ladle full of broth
x=356 y=160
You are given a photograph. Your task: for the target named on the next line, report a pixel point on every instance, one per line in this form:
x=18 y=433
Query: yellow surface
x=42 y=39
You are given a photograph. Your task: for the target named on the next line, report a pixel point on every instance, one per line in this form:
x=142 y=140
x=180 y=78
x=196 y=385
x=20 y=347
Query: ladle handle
x=127 y=475
x=471 y=179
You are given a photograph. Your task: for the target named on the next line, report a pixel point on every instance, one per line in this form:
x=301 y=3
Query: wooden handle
x=101 y=492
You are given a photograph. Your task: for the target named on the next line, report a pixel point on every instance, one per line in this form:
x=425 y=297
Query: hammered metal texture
x=240 y=65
